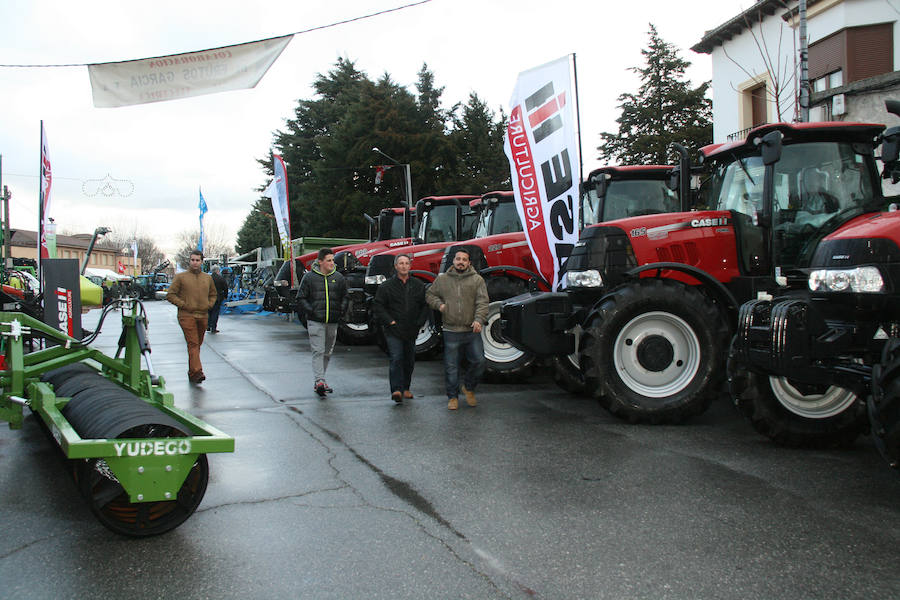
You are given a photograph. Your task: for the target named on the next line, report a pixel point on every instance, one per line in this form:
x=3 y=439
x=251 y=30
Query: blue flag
x=203 y=209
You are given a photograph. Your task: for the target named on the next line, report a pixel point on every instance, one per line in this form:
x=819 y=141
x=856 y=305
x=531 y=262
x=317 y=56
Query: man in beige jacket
x=461 y=296
x=194 y=293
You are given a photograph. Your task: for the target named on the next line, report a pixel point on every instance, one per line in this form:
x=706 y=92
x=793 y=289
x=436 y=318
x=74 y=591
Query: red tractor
x=656 y=297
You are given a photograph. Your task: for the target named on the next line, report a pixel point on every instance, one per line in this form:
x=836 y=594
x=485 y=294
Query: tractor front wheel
x=884 y=406
x=655 y=351
x=796 y=415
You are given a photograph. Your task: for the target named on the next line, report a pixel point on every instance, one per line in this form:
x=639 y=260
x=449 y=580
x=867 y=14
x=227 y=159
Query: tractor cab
x=788 y=186
x=617 y=192
x=392 y=224
x=498 y=215
x=442 y=218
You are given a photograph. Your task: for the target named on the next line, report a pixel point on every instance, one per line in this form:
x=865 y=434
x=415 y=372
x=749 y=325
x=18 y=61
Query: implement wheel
x=656 y=351
x=113 y=508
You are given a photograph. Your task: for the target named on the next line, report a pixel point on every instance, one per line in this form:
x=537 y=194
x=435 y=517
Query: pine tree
x=477 y=162
x=664 y=110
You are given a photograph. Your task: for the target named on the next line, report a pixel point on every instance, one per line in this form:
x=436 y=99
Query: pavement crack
x=23 y=547
x=275 y=498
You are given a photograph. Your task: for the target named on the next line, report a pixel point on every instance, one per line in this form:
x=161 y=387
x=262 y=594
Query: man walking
x=461 y=296
x=323 y=297
x=400 y=308
x=194 y=293
x=221 y=294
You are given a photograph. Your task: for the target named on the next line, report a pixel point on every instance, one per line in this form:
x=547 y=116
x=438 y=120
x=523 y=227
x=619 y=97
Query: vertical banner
x=44 y=204
x=277 y=192
x=134 y=250
x=203 y=209
x=542 y=147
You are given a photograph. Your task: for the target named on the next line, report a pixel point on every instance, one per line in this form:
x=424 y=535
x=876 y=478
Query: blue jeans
x=403 y=360
x=470 y=345
x=214 y=315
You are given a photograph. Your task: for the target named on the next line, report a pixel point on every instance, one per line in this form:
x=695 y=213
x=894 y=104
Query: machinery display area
x=139 y=461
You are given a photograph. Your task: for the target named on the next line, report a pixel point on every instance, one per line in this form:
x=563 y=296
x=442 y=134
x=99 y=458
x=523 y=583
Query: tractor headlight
x=375 y=279
x=588 y=279
x=281 y=283
x=858 y=280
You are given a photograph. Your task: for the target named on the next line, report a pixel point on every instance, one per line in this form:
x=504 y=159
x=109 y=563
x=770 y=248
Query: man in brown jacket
x=194 y=293
x=461 y=296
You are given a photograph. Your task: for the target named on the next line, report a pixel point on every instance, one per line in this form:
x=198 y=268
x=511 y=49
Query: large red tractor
x=806 y=359
x=656 y=297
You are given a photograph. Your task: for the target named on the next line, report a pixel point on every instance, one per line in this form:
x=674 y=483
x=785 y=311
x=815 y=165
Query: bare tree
x=782 y=73
x=121 y=239
x=214 y=244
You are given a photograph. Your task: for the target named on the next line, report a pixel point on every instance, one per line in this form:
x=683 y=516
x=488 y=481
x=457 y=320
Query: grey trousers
x=321 y=342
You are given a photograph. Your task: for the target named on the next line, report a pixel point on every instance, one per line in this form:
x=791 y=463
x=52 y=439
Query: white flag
x=183 y=75
x=542 y=146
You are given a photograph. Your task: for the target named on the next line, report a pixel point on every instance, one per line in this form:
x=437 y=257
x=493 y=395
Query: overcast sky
x=160 y=154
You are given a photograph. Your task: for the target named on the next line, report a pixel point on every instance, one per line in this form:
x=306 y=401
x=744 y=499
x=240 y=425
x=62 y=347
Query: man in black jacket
x=323 y=297
x=400 y=308
x=221 y=295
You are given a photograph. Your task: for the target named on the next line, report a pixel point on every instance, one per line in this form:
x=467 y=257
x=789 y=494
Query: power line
x=311 y=29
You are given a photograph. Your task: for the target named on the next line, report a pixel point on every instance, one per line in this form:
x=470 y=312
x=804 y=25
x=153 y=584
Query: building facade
x=853 y=49
x=23 y=244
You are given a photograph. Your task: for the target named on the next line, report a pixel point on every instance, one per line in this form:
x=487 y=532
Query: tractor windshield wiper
x=744 y=168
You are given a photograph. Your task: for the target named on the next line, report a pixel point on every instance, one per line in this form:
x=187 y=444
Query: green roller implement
x=139 y=461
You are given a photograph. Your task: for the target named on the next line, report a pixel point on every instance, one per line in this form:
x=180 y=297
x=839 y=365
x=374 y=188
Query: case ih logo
x=543 y=118
x=716 y=222
x=64 y=310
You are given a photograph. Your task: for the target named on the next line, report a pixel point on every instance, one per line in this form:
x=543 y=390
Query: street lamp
x=408 y=176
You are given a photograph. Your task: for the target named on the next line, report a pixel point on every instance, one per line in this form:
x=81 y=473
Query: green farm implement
x=139 y=461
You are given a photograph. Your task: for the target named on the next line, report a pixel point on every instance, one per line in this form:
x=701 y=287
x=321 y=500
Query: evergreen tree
x=477 y=162
x=664 y=110
x=259 y=228
x=327 y=149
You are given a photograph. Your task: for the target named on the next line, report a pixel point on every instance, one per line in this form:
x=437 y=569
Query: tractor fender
x=716 y=288
x=499 y=270
x=426 y=276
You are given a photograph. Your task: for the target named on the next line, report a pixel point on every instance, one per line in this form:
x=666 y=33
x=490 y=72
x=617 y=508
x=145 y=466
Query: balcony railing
x=739 y=135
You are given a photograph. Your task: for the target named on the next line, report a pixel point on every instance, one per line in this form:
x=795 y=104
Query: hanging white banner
x=542 y=147
x=183 y=75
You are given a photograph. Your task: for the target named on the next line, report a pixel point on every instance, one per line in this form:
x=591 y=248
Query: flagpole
x=578 y=124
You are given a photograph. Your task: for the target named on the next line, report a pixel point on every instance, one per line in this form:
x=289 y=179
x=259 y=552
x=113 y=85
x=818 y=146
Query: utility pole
x=804 y=65
x=7 y=248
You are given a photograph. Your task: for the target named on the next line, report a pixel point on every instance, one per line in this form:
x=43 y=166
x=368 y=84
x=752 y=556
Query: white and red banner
x=183 y=75
x=278 y=193
x=44 y=209
x=542 y=147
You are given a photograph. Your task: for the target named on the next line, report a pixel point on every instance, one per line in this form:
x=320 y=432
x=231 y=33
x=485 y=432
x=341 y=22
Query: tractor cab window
x=498 y=217
x=469 y=224
x=589 y=207
x=626 y=198
x=818 y=186
x=439 y=224
x=390 y=226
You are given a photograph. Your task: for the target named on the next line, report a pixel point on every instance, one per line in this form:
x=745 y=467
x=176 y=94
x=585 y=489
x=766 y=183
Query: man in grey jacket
x=461 y=296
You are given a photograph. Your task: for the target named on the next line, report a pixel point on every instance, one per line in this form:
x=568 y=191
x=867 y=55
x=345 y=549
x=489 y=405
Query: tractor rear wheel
x=884 y=407
x=796 y=415
x=655 y=351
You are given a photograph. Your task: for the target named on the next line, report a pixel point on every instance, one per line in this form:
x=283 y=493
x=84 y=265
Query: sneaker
x=407 y=395
x=397 y=397
x=452 y=404
x=470 y=397
x=321 y=389
x=328 y=388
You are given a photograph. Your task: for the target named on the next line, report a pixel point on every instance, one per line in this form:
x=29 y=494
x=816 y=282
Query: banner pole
x=578 y=125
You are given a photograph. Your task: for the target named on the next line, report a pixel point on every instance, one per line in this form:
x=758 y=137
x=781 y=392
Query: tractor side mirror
x=770 y=147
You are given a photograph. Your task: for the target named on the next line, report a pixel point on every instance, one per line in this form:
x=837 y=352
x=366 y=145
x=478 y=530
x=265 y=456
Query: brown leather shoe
x=407 y=395
x=470 y=397
x=452 y=404
x=397 y=397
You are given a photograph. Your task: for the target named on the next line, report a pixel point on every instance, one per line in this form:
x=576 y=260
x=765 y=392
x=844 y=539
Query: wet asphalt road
x=534 y=493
